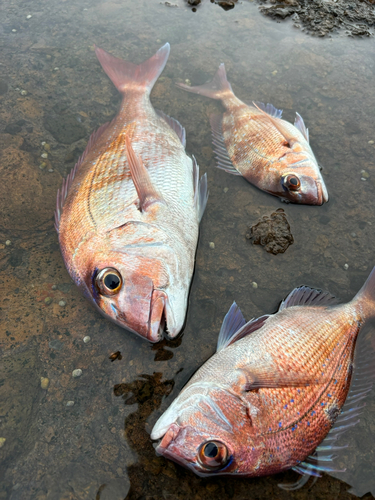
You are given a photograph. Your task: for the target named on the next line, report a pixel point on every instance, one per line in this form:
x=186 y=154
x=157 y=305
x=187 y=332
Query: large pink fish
x=274 y=390
x=255 y=142
x=129 y=212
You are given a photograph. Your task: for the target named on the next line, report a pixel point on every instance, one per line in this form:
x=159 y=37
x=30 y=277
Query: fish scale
x=275 y=389
x=131 y=208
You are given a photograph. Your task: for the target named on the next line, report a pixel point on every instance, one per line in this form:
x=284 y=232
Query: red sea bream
x=255 y=142
x=275 y=389
x=128 y=213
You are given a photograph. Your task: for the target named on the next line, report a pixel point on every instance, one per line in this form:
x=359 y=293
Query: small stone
x=56 y=69
x=43 y=165
x=8 y=243
x=50 y=170
x=44 y=383
x=44 y=155
x=187 y=81
x=371 y=142
x=2 y=442
x=274 y=72
x=43 y=143
x=346 y=267
x=365 y=174
x=363 y=179
x=14 y=31
x=23 y=92
x=212 y=244
x=353 y=235
x=86 y=339
x=29 y=16
x=54 y=287
x=70 y=403
x=62 y=303
x=48 y=301
x=77 y=373
x=47 y=147
x=254 y=284
x=225 y=190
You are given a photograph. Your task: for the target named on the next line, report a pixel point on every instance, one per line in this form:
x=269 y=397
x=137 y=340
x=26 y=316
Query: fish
x=128 y=214
x=255 y=142
x=279 y=390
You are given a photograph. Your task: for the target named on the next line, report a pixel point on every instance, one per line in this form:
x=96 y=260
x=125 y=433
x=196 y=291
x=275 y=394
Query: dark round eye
x=213 y=455
x=108 y=281
x=291 y=182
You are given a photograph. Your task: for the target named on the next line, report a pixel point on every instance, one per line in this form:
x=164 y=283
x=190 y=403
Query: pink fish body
x=273 y=391
x=271 y=153
x=128 y=214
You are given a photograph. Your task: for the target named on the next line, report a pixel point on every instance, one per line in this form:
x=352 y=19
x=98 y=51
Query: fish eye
x=213 y=455
x=108 y=281
x=291 y=181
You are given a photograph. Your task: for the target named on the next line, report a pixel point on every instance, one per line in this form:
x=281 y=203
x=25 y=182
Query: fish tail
x=126 y=75
x=366 y=295
x=217 y=88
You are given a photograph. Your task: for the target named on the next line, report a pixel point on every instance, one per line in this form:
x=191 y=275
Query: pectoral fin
x=271 y=377
x=146 y=191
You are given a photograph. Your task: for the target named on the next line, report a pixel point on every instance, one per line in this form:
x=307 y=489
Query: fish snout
x=157 y=316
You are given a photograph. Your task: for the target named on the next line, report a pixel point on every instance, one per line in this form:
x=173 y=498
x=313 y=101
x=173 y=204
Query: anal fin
x=220 y=150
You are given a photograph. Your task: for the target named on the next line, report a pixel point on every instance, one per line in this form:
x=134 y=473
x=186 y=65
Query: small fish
x=275 y=388
x=128 y=214
x=253 y=141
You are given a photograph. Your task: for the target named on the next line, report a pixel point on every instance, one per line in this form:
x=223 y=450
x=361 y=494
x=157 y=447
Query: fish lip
x=157 y=316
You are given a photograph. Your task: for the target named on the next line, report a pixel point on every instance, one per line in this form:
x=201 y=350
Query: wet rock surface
x=322 y=17
x=272 y=232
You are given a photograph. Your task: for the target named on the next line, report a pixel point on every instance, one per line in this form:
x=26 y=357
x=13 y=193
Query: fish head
x=129 y=290
x=206 y=435
x=305 y=186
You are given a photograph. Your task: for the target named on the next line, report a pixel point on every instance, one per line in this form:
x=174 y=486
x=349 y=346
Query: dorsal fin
x=147 y=193
x=232 y=322
x=175 y=125
x=306 y=296
x=300 y=124
x=279 y=124
x=63 y=192
x=269 y=109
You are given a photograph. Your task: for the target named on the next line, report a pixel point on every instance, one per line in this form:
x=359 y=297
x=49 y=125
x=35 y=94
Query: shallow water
x=52 y=89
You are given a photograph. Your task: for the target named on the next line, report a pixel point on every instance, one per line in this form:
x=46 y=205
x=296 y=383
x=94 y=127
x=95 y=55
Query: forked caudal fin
x=216 y=88
x=126 y=75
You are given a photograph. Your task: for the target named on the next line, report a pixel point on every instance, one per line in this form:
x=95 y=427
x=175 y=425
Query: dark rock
x=64 y=128
x=272 y=232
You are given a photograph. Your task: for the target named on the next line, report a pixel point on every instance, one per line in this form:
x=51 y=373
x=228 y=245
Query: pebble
x=353 y=235
x=212 y=244
x=371 y=142
x=8 y=243
x=44 y=155
x=29 y=16
x=77 y=373
x=54 y=287
x=48 y=301
x=62 y=303
x=47 y=147
x=43 y=165
x=70 y=403
x=2 y=442
x=363 y=179
x=23 y=92
x=365 y=174
x=44 y=383
x=225 y=190
x=50 y=170
x=43 y=143
x=187 y=81
x=346 y=267
x=274 y=72
x=14 y=31
x=55 y=69
x=254 y=284
x=86 y=339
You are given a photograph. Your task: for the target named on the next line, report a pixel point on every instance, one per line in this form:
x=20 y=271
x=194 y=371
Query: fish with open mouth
x=279 y=390
x=255 y=142
x=128 y=214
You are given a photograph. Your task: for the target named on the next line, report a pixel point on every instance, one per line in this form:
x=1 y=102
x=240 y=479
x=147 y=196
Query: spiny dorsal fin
x=300 y=124
x=280 y=126
x=175 y=125
x=146 y=191
x=306 y=296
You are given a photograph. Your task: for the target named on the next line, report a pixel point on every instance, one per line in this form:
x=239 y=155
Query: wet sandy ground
x=87 y=437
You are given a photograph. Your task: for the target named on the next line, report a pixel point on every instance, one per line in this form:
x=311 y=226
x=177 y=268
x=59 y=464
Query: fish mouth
x=157 y=320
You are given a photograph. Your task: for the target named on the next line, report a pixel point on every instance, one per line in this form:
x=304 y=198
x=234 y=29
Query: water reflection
x=58 y=450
